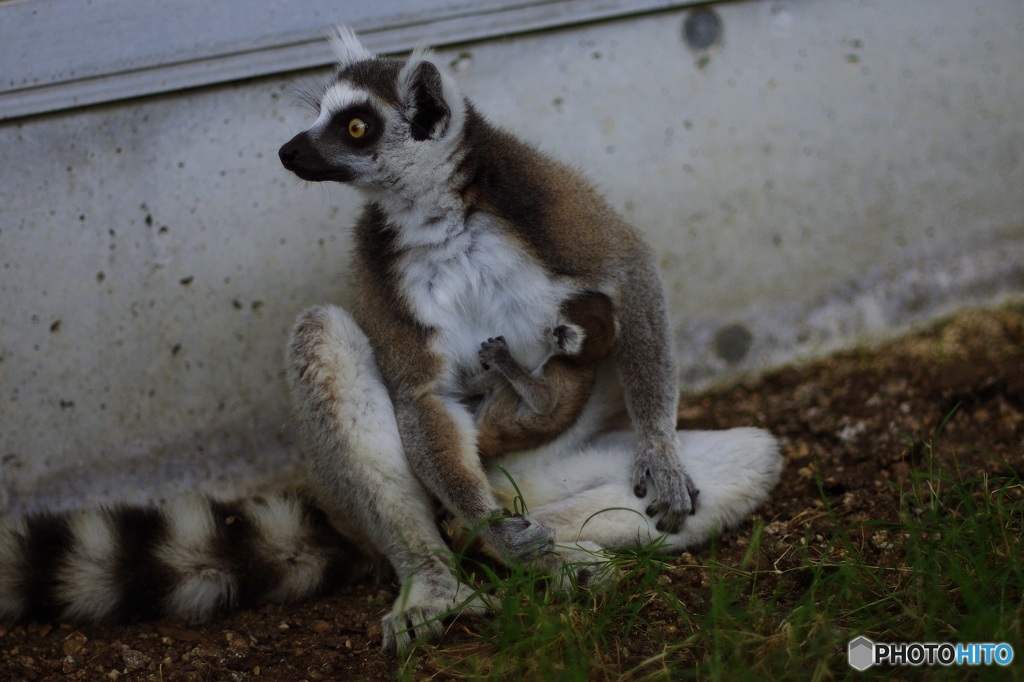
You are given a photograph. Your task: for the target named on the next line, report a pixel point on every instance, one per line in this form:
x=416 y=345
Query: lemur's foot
x=494 y=352
x=429 y=596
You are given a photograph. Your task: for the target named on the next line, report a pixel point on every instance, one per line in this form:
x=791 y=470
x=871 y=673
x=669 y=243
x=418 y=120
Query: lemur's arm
x=438 y=434
x=481 y=383
x=440 y=442
x=539 y=395
x=646 y=363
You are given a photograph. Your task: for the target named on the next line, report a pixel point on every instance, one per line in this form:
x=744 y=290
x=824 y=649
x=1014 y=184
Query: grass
x=948 y=568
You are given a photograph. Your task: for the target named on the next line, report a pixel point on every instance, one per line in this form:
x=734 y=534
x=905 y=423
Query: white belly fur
x=476 y=285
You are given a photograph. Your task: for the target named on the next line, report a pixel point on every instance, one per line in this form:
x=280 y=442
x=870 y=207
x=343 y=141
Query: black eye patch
x=357 y=127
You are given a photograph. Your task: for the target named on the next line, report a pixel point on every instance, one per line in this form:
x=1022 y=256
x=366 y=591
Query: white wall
x=830 y=171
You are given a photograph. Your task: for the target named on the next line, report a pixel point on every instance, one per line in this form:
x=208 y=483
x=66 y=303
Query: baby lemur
x=523 y=410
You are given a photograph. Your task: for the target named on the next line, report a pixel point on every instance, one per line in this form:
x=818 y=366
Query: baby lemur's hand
x=674 y=494
x=495 y=353
x=568 y=338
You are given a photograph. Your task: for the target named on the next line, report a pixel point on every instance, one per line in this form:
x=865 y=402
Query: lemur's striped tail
x=190 y=560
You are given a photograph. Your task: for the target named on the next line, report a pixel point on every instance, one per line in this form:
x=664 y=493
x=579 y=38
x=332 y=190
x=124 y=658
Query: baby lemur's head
x=381 y=121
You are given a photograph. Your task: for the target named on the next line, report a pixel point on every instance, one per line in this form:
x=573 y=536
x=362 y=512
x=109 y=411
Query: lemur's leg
x=359 y=472
x=587 y=497
x=536 y=393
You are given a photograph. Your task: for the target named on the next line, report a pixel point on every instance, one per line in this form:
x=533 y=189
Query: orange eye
x=357 y=128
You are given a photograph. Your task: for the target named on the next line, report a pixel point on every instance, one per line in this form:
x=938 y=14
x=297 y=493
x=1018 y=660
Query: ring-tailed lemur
x=467 y=234
x=522 y=410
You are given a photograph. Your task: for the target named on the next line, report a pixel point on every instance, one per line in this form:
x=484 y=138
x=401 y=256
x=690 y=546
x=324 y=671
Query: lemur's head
x=379 y=120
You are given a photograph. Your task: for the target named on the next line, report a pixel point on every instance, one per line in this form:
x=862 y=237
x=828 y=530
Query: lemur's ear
x=422 y=90
x=346 y=46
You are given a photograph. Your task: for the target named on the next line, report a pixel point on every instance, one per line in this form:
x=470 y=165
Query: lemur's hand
x=519 y=538
x=674 y=495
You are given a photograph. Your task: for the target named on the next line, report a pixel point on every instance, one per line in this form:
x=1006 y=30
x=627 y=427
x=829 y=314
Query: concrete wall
x=826 y=172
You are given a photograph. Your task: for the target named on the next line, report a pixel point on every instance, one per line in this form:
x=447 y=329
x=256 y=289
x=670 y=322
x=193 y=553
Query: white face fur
x=386 y=126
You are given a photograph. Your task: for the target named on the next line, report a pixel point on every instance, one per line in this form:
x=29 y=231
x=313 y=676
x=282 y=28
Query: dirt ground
x=847 y=417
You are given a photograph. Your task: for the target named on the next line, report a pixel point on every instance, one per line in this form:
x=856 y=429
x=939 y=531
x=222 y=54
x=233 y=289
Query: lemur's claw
x=675 y=495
